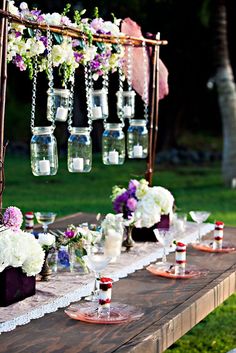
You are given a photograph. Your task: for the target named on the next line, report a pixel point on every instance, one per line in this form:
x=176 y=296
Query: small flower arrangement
x=141 y=204
x=20 y=249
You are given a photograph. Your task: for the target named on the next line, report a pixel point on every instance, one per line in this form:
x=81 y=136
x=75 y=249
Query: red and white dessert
x=180 y=258
x=105 y=288
x=218 y=235
x=29 y=222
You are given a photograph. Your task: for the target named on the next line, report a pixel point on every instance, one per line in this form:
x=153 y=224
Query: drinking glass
x=45 y=218
x=199 y=217
x=165 y=237
x=96 y=262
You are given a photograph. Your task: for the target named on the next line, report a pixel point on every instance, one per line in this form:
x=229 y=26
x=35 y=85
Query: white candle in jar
x=113 y=157
x=138 y=151
x=127 y=110
x=61 y=114
x=78 y=164
x=97 y=112
x=44 y=166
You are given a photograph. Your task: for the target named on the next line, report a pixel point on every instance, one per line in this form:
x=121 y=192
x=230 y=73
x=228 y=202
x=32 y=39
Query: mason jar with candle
x=59 y=100
x=44 y=158
x=113 y=144
x=137 y=139
x=99 y=105
x=79 y=150
x=125 y=104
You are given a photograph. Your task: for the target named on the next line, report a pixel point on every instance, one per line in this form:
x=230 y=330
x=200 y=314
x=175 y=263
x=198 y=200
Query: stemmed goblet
x=199 y=217
x=45 y=218
x=96 y=262
x=165 y=237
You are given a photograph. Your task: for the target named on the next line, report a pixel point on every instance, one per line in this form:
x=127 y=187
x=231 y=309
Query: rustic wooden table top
x=171 y=308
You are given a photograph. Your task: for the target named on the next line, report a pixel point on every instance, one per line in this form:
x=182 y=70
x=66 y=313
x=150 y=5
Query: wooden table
x=171 y=308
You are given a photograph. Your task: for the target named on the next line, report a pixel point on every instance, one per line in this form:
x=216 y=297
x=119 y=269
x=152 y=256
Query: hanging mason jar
x=44 y=159
x=59 y=99
x=137 y=139
x=99 y=105
x=113 y=144
x=126 y=104
x=79 y=150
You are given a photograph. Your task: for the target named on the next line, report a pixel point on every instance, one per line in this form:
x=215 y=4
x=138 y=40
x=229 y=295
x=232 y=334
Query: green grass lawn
x=194 y=187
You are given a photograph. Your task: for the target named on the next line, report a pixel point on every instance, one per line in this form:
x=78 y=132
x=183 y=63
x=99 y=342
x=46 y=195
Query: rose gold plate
x=168 y=270
x=208 y=247
x=119 y=313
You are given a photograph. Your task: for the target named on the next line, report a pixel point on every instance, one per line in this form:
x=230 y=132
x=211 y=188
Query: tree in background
x=224 y=80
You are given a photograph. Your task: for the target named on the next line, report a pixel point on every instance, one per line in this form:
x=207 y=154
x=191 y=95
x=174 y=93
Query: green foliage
x=66 y=9
x=96 y=12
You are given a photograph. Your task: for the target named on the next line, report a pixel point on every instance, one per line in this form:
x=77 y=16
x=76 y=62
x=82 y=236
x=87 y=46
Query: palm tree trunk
x=226 y=92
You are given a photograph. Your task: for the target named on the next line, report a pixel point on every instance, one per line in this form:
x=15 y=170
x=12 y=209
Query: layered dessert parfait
x=105 y=288
x=218 y=235
x=180 y=258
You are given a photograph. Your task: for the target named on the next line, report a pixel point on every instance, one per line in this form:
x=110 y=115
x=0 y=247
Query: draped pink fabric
x=131 y=28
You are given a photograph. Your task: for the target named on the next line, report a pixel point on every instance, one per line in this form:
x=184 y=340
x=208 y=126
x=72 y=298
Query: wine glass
x=199 y=217
x=165 y=237
x=45 y=218
x=96 y=262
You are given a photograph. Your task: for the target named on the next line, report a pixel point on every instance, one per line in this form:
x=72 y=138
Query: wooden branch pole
x=152 y=90
x=3 y=85
x=156 y=105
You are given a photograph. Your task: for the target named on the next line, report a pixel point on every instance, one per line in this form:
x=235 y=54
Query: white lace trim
x=72 y=287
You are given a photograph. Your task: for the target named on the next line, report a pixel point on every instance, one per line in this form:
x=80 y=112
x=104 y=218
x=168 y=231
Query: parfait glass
x=165 y=238
x=96 y=262
x=45 y=218
x=199 y=217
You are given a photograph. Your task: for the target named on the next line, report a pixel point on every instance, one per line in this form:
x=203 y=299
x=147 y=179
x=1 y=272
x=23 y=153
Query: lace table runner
x=65 y=288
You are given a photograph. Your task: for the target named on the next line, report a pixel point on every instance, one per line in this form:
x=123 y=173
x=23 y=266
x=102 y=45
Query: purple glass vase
x=15 y=285
x=146 y=234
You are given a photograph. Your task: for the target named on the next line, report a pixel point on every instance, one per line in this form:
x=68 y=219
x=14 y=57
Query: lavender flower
x=13 y=218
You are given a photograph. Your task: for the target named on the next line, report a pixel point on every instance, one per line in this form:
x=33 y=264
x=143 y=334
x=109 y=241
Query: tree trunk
x=226 y=92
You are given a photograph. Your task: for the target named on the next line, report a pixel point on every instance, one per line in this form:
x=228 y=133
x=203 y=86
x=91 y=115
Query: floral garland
x=26 y=44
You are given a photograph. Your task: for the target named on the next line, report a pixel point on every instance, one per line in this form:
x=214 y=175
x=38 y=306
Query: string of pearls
x=145 y=84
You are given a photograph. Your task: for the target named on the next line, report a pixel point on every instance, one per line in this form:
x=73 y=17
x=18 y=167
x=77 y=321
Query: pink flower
x=132 y=204
x=13 y=218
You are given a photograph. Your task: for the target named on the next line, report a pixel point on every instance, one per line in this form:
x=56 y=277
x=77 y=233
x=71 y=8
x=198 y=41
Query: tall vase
x=46 y=271
x=128 y=243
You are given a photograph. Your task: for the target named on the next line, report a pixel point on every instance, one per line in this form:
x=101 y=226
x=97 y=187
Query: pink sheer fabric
x=131 y=28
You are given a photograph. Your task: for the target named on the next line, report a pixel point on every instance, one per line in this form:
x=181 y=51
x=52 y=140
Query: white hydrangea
x=53 y=19
x=46 y=239
x=20 y=249
x=111 y=27
x=162 y=198
x=147 y=213
x=12 y=8
x=34 y=47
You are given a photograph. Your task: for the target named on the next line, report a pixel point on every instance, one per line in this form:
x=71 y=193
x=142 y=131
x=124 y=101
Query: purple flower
x=70 y=234
x=18 y=61
x=13 y=218
x=95 y=64
x=97 y=24
x=78 y=57
x=44 y=40
x=18 y=34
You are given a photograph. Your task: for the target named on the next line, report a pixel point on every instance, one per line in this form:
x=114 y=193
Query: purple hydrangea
x=13 y=218
x=126 y=202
